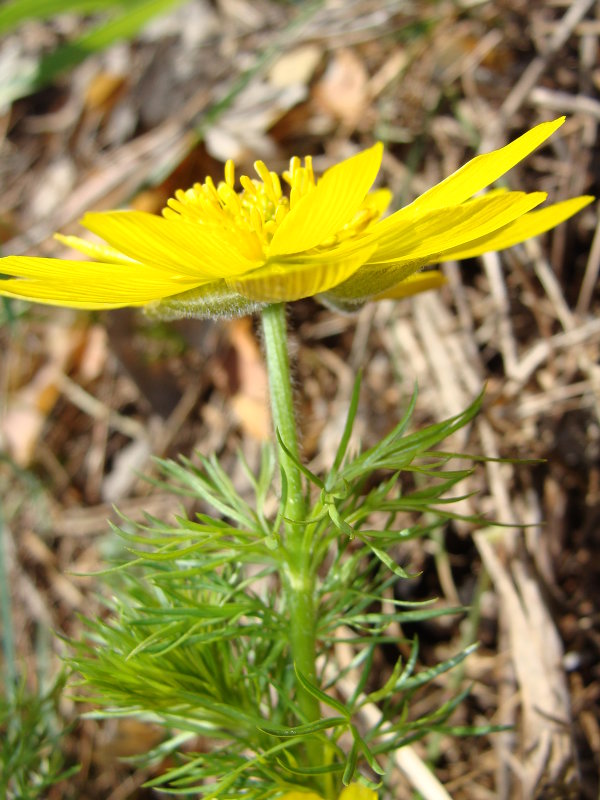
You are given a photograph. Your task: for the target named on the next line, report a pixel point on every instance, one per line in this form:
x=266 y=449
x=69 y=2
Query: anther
x=209 y=187
x=361 y=220
x=248 y=185
x=230 y=173
x=266 y=177
x=256 y=219
x=276 y=185
x=308 y=166
x=269 y=228
x=229 y=199
x=294 y=165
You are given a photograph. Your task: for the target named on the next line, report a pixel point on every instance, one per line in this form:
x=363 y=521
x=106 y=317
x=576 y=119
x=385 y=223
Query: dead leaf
x=296 y=67
x=28 y=409
x=103 y=91
x=123 y=738
x=241 y=131
x=537 y=659
x=343 y=90
x=251 y=401
x=128 y=464
x=94 y=354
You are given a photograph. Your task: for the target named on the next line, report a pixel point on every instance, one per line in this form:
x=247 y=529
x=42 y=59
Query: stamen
x=175 y=203
x=265 y=176
x=230 y=173
x=308 y=166
x=295 y=164
x=256 y=219
x=248 y=185
x=276 y=185
x=229 y=199
x=361 y=220
x=210 y=188
x=258 y=208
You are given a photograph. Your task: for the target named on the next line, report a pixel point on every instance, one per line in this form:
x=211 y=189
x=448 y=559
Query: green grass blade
x=12 y=14
x=124 y=25
x=8 y=641
x=343 y=446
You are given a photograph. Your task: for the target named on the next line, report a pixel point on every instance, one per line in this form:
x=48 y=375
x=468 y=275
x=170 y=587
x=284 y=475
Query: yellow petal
x=357 y=792
x=177 y=245
x=481 y=171
x=39 y=292
x=285 y=280
x=442 y=229
x=415 y=244
x=529 y=225
x=99 y=252
x=332 y=204
x=414 y=284
x=86 y=284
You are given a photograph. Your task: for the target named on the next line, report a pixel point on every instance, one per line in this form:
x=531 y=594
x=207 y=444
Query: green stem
x=282 y=406
x=298 y=571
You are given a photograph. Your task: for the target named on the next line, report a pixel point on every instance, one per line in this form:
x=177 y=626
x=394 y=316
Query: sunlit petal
x=442 y=229
x=221 y=251
x=426 y=241
x=481 y=171
x=287 y=280
x=85 y=284
x=95 y=250
x=85 y=298
x=531 y=224
x=321 y=213
x=179 y=246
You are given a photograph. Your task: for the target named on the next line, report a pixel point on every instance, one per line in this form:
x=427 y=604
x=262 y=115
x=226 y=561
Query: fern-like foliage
x=196 y=637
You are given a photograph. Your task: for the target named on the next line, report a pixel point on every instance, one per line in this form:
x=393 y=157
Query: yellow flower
x=217 y=250
x=354 y=792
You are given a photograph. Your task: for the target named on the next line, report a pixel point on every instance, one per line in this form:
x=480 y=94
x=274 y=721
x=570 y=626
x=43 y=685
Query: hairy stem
x=298 y=572
x=282 y=409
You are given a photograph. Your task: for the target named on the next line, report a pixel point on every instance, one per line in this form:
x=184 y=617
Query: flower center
x=258 y=209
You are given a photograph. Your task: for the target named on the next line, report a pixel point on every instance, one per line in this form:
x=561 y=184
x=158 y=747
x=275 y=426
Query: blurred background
x=110 y=103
